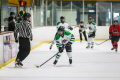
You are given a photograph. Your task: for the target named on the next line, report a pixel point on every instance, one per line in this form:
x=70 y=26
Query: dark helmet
x=12 y=13
x=26 y=15
x=61 y=28
x=90 y=18
x=20 y=19
x=81 y=22
x=6 y=19
x=115 y=20
x=62 y=17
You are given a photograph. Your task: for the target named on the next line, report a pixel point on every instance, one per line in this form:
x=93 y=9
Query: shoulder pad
x=67 y=33
x=58 y=23
x=57 y=36
x=93 y=23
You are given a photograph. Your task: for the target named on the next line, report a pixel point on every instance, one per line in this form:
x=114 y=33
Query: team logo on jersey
x=90 y=28
x=64 y=41
x=115 y=31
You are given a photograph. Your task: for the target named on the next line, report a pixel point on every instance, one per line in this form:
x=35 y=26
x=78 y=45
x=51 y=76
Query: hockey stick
x=46 y=61
x=102 y=42
x=49 y=42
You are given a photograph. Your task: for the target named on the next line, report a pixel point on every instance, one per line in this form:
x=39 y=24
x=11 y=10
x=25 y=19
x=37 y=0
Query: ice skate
x=112 y=48
x=20 y=64
x=92 y=47
x=70 y=61
x=55 y=62
x=16 y=64
x=116 y=50
x=87 y=47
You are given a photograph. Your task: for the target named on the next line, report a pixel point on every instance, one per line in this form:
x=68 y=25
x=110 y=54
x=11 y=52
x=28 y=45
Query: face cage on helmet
x=115 y=21
x=60 y=30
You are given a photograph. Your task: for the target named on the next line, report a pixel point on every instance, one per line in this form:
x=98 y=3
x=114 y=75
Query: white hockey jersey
x=63 y=24
x=90 y=28
x=68 y=37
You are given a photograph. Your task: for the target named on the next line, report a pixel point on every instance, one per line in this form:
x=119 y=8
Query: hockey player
x=91 y=26
x=82 y=30
x=114 y=33
x=64 y=39
x=62 y=23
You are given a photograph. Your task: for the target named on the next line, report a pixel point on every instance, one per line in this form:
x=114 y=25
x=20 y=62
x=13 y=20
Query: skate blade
x=87 y=48
x=116 y=51
x=19 y=66
x=16 y=66
x=70 y=64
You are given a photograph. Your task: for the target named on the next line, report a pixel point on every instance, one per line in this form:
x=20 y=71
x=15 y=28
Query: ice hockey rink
x=99 y=63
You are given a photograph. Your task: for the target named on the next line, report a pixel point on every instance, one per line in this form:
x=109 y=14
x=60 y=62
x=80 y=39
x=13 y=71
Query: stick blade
x=36 y=66
x=97 y=44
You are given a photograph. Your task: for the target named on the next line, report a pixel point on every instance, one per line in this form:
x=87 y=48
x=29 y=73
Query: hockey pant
x=84 y=34
x=24 y=48
x=114 y=41
x=68 y=50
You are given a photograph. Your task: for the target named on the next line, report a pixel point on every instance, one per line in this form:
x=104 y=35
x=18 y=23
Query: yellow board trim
x=13 y=59
x=1 y=65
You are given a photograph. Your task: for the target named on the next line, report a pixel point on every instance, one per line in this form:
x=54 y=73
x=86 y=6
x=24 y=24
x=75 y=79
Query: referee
x=82 y=30
x=25 y=36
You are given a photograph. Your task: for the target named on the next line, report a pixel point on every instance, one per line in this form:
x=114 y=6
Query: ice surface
x=99 y=63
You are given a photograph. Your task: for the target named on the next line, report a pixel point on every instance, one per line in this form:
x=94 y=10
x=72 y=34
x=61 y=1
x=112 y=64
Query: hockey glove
x=110 y=37
x=80 y=31
x=16 y=41
x=93 y=34
x=71 y=28
x=61 y=49
x=69 y=44
x=89 y=34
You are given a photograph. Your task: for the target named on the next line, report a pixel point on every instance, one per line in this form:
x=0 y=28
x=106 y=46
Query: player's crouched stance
x=114 y=32
x=64 y=39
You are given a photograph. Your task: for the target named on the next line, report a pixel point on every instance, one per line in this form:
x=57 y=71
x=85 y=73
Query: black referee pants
x=24 y=48
x=84 y=34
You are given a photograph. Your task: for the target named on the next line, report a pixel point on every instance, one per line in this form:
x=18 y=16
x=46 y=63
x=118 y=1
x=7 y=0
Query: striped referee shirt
x=24 y=30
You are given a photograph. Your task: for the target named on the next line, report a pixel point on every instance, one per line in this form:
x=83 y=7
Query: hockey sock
x=115 y=44
x=58 y=56
x=69 y=55
x=88 y=44
x=92 y=43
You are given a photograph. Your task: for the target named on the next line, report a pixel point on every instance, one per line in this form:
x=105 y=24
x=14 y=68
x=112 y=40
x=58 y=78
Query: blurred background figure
x=19 y=21
x=22 y=12
x=82 y=30
x=6 y=24
x=11 y=22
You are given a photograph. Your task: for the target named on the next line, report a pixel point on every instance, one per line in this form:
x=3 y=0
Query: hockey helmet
x=61 y=28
